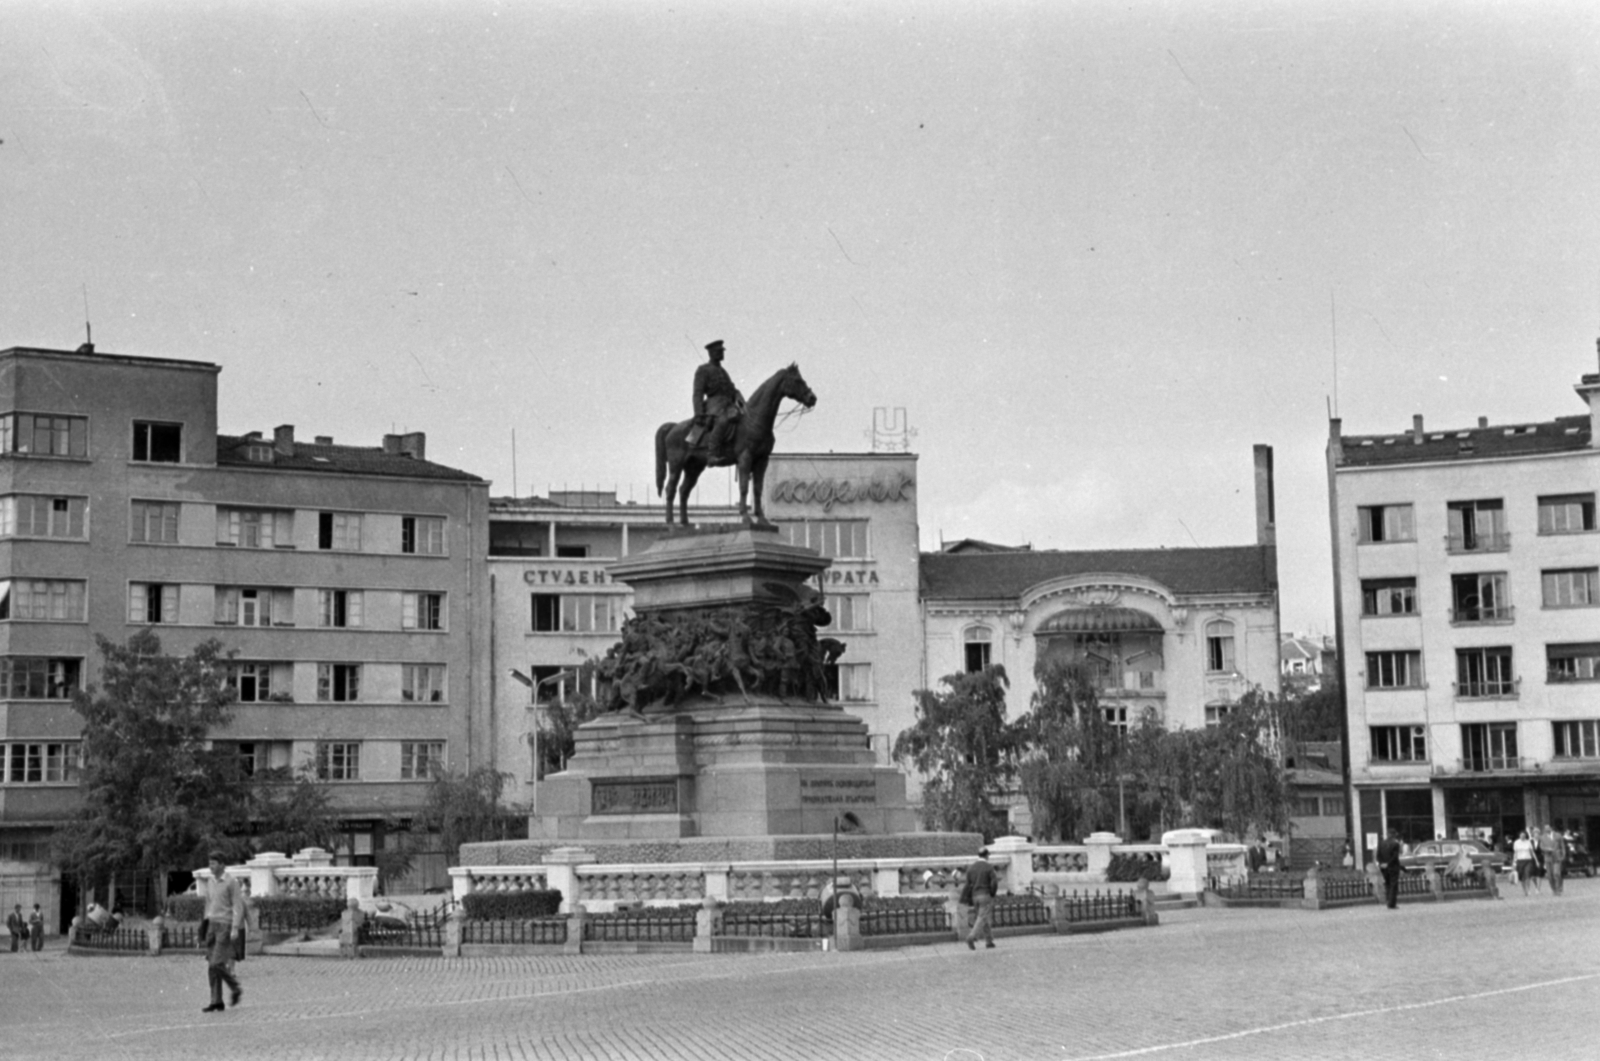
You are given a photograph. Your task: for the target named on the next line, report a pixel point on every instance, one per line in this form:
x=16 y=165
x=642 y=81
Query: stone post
x=717 y=882
x=361 y=882
x=561 y=873
x=350 y=931
x=885 y=880
x=847 y=924
x=575 y=914
x=707 y=923
x=1100 y=845
x=460 y=882
x=254 y=941
x=152 y=934
x=959 y=917
x=1490 y=884
x=1312 y=899
x=1019 y=869
x=313 y=856
x=1435 y=882
x=1147 y=902
x=453 y=932
x=263 y=871
x=1058 y=907
x=1186 y=859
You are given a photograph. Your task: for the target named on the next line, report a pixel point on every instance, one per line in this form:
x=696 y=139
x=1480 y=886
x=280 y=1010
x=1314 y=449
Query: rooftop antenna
x=1333 y=313
x=513 y=462
x=88 y=332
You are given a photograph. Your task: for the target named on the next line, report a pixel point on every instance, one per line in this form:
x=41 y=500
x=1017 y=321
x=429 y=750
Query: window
x=419 y=759
x=978 y=641
x=422 y=683
x=422 y=611
x=254 y=606
x=1479 y=598
x=1394 y=670
x=1399 y=744
x=1216 y=711
x=830 y=537
x=157 y=442
x=572 y=552
x=848 y=612
x=1566 y=514
x=1577 y=740
x=552 y=684
x=1388 y=596
x=849 y=682
x=1219 y=646
x=1489 y=746
x=44 y=435
x=154 y=521
x=339 y=530
x=1477 y=526
x=42 y=516
x=1575 y=588
x=39 y=677
x=1333 y=806
x=1116 y=716
x=1305 y=807
x=339 y=607
x=42 y=763
x=255 y=528
x=339 y=682
x=152 y=602
x=339 y=761
x=1572 y=663
x=423 y=535
x=1386 y=523
x=1484 y=672
x=41 y=599
x=257 y=683
x=546 y=613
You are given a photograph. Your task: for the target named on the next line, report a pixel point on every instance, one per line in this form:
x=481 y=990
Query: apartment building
x=1467 y=572
x=349 y=580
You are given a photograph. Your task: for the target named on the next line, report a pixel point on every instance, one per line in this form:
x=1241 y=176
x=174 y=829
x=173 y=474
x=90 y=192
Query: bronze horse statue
x=752 y=445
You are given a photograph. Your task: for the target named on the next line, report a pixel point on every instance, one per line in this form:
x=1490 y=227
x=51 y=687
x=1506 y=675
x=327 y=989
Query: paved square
x=1511 y=979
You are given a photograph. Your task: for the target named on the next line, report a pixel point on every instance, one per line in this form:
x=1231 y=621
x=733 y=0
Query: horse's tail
x=661 y=457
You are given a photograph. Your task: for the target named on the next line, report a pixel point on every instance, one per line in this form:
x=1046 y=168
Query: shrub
x=1135 y=867
x=512 y=906
x=294 y=913
x=186 y=907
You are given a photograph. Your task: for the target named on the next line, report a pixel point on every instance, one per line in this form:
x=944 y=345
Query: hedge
x=511 y=906
x=1135 y=867
x=186 y=907
x=293 y=913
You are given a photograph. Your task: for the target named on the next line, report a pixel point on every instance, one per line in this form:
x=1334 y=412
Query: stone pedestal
x=733 y=765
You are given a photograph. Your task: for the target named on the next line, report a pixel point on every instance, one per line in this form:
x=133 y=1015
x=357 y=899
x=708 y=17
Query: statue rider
x=717 y=405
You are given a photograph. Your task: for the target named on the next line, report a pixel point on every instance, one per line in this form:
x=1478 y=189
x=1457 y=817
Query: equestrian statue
x=726 y=429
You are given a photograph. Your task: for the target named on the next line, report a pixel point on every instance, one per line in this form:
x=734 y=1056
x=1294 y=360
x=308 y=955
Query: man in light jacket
x=224 y=924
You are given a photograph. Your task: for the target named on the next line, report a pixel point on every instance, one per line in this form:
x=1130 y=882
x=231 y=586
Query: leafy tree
x=558 y=729
x=1314 y=716
x=292 y=811
x=1235 y=776
x=1074 y=757
x=154 y=796
x=466 y=809
x=963 y=746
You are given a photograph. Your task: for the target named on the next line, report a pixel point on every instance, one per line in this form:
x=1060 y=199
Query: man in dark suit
x=1389 y=862
x=717 y=404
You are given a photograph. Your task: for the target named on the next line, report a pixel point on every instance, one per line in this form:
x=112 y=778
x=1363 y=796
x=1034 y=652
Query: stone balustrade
x=310 y=873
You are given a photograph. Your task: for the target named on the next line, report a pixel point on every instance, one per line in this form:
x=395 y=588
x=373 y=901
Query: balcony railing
x=1508 y=689
x=1498 y=613
x=1486 y=764
x=1481 y=542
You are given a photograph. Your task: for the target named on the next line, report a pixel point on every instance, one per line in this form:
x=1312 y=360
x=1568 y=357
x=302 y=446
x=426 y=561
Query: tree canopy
x=962 y=744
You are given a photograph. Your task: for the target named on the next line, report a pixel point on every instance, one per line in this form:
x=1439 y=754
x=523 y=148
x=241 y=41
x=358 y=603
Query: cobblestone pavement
x=1511 y=979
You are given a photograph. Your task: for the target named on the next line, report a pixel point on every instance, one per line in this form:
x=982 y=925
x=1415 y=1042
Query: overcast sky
x=1095 y=250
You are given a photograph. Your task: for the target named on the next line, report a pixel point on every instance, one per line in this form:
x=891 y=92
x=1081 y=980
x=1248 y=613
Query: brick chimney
x=413 y=444
x=1416 y=429
x=1266 y=500
x=283 y=440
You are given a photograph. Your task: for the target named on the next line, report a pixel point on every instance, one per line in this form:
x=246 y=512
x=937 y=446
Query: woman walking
x=1522 y=856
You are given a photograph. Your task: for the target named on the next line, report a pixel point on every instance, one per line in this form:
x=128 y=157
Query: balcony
x=1509 y=689
x=1481 y=615
x=1479 y=542
x=1486 y=764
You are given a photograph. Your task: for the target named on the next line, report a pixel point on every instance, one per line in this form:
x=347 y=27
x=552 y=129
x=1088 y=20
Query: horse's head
x=794 y=386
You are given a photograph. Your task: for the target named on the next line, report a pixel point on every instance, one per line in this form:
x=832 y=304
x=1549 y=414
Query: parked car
x=1578 y=861
x=1443 y=852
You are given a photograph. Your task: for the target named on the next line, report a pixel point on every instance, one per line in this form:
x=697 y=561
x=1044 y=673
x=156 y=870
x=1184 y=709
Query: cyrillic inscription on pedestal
x=818 y=790
x=633 y=796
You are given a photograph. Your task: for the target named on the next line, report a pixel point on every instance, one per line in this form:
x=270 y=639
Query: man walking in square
x=984 y=883
x=224 y=925
x=1554 y=848
x=1389 y=862
x=17 y=927
x=36 y=929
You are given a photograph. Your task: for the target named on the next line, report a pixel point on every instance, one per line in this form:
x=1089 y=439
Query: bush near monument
x=186 y=907
x=295 y=913
x=512 y=906
x=770 y=649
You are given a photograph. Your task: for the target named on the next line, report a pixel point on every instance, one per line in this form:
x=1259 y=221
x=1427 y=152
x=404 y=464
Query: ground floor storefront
x=1495 y=812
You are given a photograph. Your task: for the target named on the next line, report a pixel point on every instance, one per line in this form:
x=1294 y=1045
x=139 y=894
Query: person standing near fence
x=17 y=927
x=224 y=924
x=1389 y=862
x=983 y=883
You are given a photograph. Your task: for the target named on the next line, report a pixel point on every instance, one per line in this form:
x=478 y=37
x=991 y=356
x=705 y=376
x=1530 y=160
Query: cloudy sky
x=1095 y=250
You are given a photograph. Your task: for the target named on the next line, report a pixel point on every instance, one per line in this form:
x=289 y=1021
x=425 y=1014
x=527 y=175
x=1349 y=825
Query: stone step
x=311 y=948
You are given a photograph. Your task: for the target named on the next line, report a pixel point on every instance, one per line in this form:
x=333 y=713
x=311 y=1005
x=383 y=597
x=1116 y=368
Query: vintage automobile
x=1444 y=852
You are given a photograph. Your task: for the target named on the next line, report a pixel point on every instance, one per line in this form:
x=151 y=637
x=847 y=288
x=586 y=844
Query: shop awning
x=1099 y=620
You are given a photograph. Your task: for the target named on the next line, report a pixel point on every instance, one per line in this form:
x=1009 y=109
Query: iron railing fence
x=761 y=919
x=903 y=919
x=419 y=930
x=1017 y=911
x=524 y=931
x=662 y=925
x=130 y=940
x=1101 y=906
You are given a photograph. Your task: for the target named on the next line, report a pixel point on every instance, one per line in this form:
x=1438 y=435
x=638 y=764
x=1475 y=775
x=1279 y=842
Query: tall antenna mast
x=1333 y=312
x=88 y=332
x=513 y=462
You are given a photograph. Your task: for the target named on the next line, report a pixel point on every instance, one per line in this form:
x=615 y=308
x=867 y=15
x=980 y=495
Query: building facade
x=349 y=581
x=1467 y=571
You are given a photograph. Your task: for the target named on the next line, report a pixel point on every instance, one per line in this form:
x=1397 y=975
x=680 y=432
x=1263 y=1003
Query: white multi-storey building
x=1467 y=569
